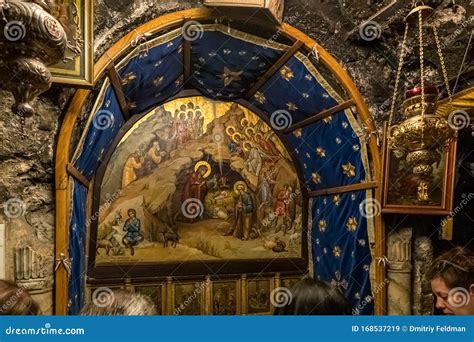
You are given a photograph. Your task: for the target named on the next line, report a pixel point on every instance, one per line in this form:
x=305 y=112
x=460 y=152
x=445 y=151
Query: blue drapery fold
x=77 y=251
x=102 y=129
x=329 y=152
x=294 y=89
x=224 y=68
x=340 y=246
x=154 y=75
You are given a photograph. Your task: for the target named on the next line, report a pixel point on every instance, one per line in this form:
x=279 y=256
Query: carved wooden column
x=422 y=259
x=31 y=275
x=399 y=272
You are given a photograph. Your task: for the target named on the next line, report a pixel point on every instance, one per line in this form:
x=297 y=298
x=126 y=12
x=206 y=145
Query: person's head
x=202 y=170
x=190 y=115
x=452 y=281
x=136 y=156
x=15 y=300
x=314 y=297
x=119 y=303
x=131 y=213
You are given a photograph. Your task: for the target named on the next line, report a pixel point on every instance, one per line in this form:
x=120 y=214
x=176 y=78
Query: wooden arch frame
x=106 y=63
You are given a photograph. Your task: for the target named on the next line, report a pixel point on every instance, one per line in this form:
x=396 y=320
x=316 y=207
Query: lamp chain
x=399 y=72
x=422 y=80
x=443 y=67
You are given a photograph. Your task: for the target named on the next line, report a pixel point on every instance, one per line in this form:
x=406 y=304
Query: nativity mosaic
x=197 y=179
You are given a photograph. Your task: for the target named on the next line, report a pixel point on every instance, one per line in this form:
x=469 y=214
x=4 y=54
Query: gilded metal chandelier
x=423 y=134
x=30 y=40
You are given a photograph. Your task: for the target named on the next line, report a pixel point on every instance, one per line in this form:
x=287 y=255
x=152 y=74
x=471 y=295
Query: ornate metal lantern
x=422 y=134
x=30 y=39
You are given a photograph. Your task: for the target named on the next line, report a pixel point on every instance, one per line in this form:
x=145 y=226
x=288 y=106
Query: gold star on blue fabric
x=291 y=106
x=230 y=76
x=286 y=73
x=127 y=78
x=260 y=97
x=316 y=177
x=321 y=152
x=322 y=225
x=351 y=224
x=349 y=170
x=158 y=81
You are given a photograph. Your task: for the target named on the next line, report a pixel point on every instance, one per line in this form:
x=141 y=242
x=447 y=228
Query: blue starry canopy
x=225 y=64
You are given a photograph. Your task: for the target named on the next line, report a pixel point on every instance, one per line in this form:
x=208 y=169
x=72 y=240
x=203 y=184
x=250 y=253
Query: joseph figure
x=243 y=212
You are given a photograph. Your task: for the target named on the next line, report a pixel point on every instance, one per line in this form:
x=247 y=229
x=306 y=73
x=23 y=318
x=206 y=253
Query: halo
x=258 y=134
x=235 y=136
x=245 y=143
x=203 y=163
x=228 y=129
x=237 y=184
x=242 y=122
x=250 y=132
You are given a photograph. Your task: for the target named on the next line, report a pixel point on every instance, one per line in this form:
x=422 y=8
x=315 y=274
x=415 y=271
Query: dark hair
x=16 y=300
x=315 y=297
x=455 y=267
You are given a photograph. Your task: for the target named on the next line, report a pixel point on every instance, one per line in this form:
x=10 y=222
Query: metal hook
x=383 y=260
x=315 y=53
x=65 y=262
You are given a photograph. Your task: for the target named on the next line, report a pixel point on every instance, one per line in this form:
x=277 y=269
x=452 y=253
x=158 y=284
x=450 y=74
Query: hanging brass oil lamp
x=30 y=40
x=422 y=135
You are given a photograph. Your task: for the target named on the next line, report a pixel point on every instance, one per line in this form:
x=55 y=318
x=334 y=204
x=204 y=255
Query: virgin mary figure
x=195 y=186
